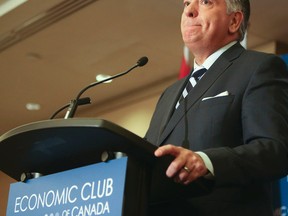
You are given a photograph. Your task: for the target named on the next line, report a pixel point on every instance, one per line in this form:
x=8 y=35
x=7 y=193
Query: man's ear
x=236 y=20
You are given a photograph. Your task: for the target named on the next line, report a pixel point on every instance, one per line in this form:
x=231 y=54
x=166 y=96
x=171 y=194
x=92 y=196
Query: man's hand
x=187 y=165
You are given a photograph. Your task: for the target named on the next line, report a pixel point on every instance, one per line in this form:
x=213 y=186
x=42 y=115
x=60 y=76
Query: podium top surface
x=56 y=145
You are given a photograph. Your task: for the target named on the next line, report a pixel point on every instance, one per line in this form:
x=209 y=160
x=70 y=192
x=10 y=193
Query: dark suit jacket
x=245 y=134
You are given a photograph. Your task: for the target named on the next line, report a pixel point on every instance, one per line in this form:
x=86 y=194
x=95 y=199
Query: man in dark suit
x=232 y=126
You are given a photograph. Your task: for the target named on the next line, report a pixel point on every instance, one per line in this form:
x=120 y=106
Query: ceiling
x=50 y=50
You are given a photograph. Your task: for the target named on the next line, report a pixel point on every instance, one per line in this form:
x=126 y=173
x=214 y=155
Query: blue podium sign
x=284 y=195
x=87 y=191
x=283 y=183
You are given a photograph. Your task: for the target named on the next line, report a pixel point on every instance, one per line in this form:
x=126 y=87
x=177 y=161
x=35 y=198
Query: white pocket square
x=222 y=94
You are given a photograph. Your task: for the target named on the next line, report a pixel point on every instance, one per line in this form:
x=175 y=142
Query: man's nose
x=191 y=10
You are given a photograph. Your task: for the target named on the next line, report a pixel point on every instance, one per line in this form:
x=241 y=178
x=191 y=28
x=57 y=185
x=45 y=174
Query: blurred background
x=51 y=49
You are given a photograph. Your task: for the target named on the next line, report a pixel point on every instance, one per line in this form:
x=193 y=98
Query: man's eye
x=186 y=3
x=205 y=2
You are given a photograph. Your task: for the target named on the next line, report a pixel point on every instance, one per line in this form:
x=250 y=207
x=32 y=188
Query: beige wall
x=5 y=181
x=273 y=47
x=135 y=117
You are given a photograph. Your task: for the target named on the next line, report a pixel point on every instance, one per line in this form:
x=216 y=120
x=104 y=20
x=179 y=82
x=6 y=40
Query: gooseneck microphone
x=81 y=101
x=75 y=102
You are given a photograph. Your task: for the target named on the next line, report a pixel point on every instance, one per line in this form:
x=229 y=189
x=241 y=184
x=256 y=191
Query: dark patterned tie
x=196 y=75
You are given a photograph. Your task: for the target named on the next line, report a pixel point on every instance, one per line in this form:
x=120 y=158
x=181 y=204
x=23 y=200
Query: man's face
x=205 y=24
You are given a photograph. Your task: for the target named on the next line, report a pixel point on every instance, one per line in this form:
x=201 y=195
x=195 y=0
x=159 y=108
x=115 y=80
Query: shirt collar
x=213 y=57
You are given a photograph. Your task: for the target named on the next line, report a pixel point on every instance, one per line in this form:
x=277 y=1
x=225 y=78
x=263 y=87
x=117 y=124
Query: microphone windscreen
x=142 y=61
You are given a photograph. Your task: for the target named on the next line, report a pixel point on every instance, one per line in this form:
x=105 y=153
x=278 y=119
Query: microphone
x=142 y=61
x=74 y=103
x=81 y=101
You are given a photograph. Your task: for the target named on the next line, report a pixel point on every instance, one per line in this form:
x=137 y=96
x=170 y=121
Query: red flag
x=185 y=66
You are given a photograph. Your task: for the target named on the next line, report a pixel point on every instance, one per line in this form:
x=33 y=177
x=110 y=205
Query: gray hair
x=244 y=7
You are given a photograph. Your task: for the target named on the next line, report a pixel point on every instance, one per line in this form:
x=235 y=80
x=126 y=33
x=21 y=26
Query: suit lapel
x=219 y=67
x=172 y=96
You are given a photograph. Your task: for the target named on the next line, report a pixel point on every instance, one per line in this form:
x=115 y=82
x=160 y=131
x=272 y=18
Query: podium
x=56 y=146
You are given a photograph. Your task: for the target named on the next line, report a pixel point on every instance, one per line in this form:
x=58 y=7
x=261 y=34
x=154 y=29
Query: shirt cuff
x=207 y=162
